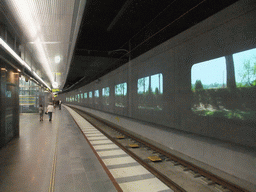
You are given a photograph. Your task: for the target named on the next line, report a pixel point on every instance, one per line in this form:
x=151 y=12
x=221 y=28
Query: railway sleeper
x=195 y=174
x=186 y=169
x=221 y=188
x=207 y=181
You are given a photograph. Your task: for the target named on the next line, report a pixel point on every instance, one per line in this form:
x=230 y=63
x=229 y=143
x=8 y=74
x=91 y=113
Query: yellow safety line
x=52 y=180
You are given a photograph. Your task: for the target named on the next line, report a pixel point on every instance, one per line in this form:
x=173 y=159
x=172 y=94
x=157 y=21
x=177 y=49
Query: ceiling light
x=55 y=85
x=57 y=59
x=8 y=48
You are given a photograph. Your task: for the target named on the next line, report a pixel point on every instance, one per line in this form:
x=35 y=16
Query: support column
x=231 y=81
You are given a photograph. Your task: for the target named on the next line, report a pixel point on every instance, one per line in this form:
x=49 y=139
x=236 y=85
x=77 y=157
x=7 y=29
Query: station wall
x=157 y=86
x=9 y=103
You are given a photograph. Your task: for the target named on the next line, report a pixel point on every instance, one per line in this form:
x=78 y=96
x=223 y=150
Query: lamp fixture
x=55 y=85
x=17 y=57
x=57 y=59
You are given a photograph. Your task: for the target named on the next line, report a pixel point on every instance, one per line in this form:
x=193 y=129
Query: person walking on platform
x=59 y=104
x=49 y=111
x=41 y=112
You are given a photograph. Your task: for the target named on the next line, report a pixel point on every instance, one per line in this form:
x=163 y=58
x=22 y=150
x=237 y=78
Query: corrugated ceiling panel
x=47 y=24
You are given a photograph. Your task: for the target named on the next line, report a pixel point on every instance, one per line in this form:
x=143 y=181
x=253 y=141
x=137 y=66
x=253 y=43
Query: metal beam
x=120 y=13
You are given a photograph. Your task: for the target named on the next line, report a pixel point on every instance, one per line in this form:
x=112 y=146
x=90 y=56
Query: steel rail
x=216 y=179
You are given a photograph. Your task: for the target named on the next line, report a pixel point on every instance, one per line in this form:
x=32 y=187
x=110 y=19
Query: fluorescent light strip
x=14 y=54
x=41 y=80
x=6 y=46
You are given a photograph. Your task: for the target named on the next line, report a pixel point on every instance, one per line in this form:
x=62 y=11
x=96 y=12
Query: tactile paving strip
x=129 y=174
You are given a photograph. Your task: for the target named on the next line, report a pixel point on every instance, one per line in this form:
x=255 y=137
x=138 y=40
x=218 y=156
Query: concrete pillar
x=231 y=81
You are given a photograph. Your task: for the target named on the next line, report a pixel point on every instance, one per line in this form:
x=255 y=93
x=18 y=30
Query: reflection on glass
x=28 y=96
x=234 y=98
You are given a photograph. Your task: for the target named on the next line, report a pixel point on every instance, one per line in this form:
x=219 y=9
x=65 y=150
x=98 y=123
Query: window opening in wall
x=85 y=95
x=225 y=87
x=78 y=98
x=82 y=95
x=209 y=74
x=105 y=96
x=90 y=94
x=245 y=68
x=96 y=96
x=150 y=91
x=75 y=97
x=96 y=93
x=120 y=95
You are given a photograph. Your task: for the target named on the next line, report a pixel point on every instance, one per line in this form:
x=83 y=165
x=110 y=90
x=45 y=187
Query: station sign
x=55 y=90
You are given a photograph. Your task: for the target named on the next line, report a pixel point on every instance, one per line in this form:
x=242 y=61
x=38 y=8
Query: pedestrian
x=59 y=104
x=50 y=110
x=41 y=112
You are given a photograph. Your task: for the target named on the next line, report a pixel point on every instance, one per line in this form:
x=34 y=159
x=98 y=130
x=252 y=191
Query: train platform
x=69 y=154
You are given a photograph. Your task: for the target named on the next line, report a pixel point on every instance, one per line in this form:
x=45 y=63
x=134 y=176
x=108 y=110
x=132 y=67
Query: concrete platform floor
x=51 y=156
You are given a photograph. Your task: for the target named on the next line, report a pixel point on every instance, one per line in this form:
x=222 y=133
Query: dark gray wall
x=227 y=32
x=9 y=103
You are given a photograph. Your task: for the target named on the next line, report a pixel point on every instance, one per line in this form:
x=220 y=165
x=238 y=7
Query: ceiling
x=114 y=30
x=47 y=30
x=94 y=37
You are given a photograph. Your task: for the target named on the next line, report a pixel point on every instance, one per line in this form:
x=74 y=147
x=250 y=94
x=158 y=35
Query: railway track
x=176 y=173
